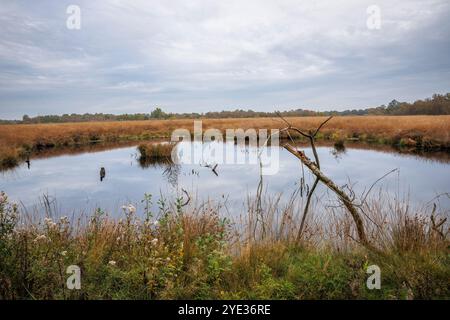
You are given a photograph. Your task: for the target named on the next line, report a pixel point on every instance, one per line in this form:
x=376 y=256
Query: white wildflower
x=131 y=208
x=112 y=263
x=64 y=253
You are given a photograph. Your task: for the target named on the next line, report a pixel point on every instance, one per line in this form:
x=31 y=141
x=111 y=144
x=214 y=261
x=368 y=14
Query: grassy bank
x=422 y=132
x=192 y=253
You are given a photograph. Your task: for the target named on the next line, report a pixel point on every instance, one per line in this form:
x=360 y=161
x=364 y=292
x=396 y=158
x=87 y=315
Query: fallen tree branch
x=311 y=137
x=331 y=185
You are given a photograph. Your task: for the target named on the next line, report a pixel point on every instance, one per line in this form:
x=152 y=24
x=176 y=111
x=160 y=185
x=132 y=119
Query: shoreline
x=418 y=133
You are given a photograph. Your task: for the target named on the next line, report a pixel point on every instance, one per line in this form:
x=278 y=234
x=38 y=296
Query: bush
x=155 y=151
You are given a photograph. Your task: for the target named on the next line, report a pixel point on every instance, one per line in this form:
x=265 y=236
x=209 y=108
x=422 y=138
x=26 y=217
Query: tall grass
x=155 y=151
x=415 y=131
x=192 y=253
x=9 y=157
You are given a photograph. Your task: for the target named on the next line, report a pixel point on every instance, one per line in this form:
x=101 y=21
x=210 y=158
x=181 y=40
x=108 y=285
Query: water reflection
x=338 y=150
x=73 y=179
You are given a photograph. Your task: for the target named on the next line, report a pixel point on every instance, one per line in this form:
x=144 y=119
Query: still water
x=71 y=182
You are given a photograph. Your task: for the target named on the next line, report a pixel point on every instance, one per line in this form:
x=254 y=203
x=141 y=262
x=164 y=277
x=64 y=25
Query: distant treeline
x=438 y=104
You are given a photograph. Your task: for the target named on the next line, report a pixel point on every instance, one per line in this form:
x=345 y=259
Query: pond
x=70 y=182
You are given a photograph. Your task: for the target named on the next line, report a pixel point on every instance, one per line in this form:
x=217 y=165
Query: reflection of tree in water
x=152 y=162
x=171 y=173
x=171 y=170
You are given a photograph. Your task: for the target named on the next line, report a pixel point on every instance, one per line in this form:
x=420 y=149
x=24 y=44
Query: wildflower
x=64 y=253
x=156 y=223
x=154 y=242
x=131 y=208
x=112 y=263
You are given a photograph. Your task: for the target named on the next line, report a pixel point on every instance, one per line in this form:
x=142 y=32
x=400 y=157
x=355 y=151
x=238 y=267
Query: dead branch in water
x=315 y=169
x=213 y=168
x=311 y=137
x=330 y=184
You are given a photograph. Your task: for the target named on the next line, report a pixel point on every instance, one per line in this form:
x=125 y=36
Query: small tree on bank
x=158 y=114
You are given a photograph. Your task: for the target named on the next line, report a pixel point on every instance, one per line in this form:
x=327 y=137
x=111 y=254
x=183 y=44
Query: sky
x=208 y=55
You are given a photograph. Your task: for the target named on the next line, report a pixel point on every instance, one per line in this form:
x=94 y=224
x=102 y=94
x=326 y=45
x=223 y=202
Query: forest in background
x=438 y=104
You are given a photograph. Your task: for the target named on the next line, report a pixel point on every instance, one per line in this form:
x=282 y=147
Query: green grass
x=193 y=254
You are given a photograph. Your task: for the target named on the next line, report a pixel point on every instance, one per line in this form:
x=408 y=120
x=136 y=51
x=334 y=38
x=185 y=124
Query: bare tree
x=314 y=167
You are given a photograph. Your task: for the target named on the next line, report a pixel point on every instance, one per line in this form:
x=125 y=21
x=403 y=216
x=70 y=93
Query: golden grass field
x=424 y=131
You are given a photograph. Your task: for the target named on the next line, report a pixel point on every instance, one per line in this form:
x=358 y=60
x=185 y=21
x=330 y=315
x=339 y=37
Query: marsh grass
x=192 y=253
x=418 y=132
x=9 y=157
x=155 y=151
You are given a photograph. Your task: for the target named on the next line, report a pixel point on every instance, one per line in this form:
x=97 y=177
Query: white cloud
x=218 y=54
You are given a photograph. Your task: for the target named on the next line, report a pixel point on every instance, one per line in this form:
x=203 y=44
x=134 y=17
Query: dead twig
x=437 y=227
x=213 y=168
x=364 y=195
x=188 y=198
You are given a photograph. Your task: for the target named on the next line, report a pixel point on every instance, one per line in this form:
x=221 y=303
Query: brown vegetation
x=427 y=132
x=155 y=152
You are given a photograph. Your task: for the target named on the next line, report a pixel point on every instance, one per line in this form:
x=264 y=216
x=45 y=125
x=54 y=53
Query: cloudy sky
x=129 y=56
